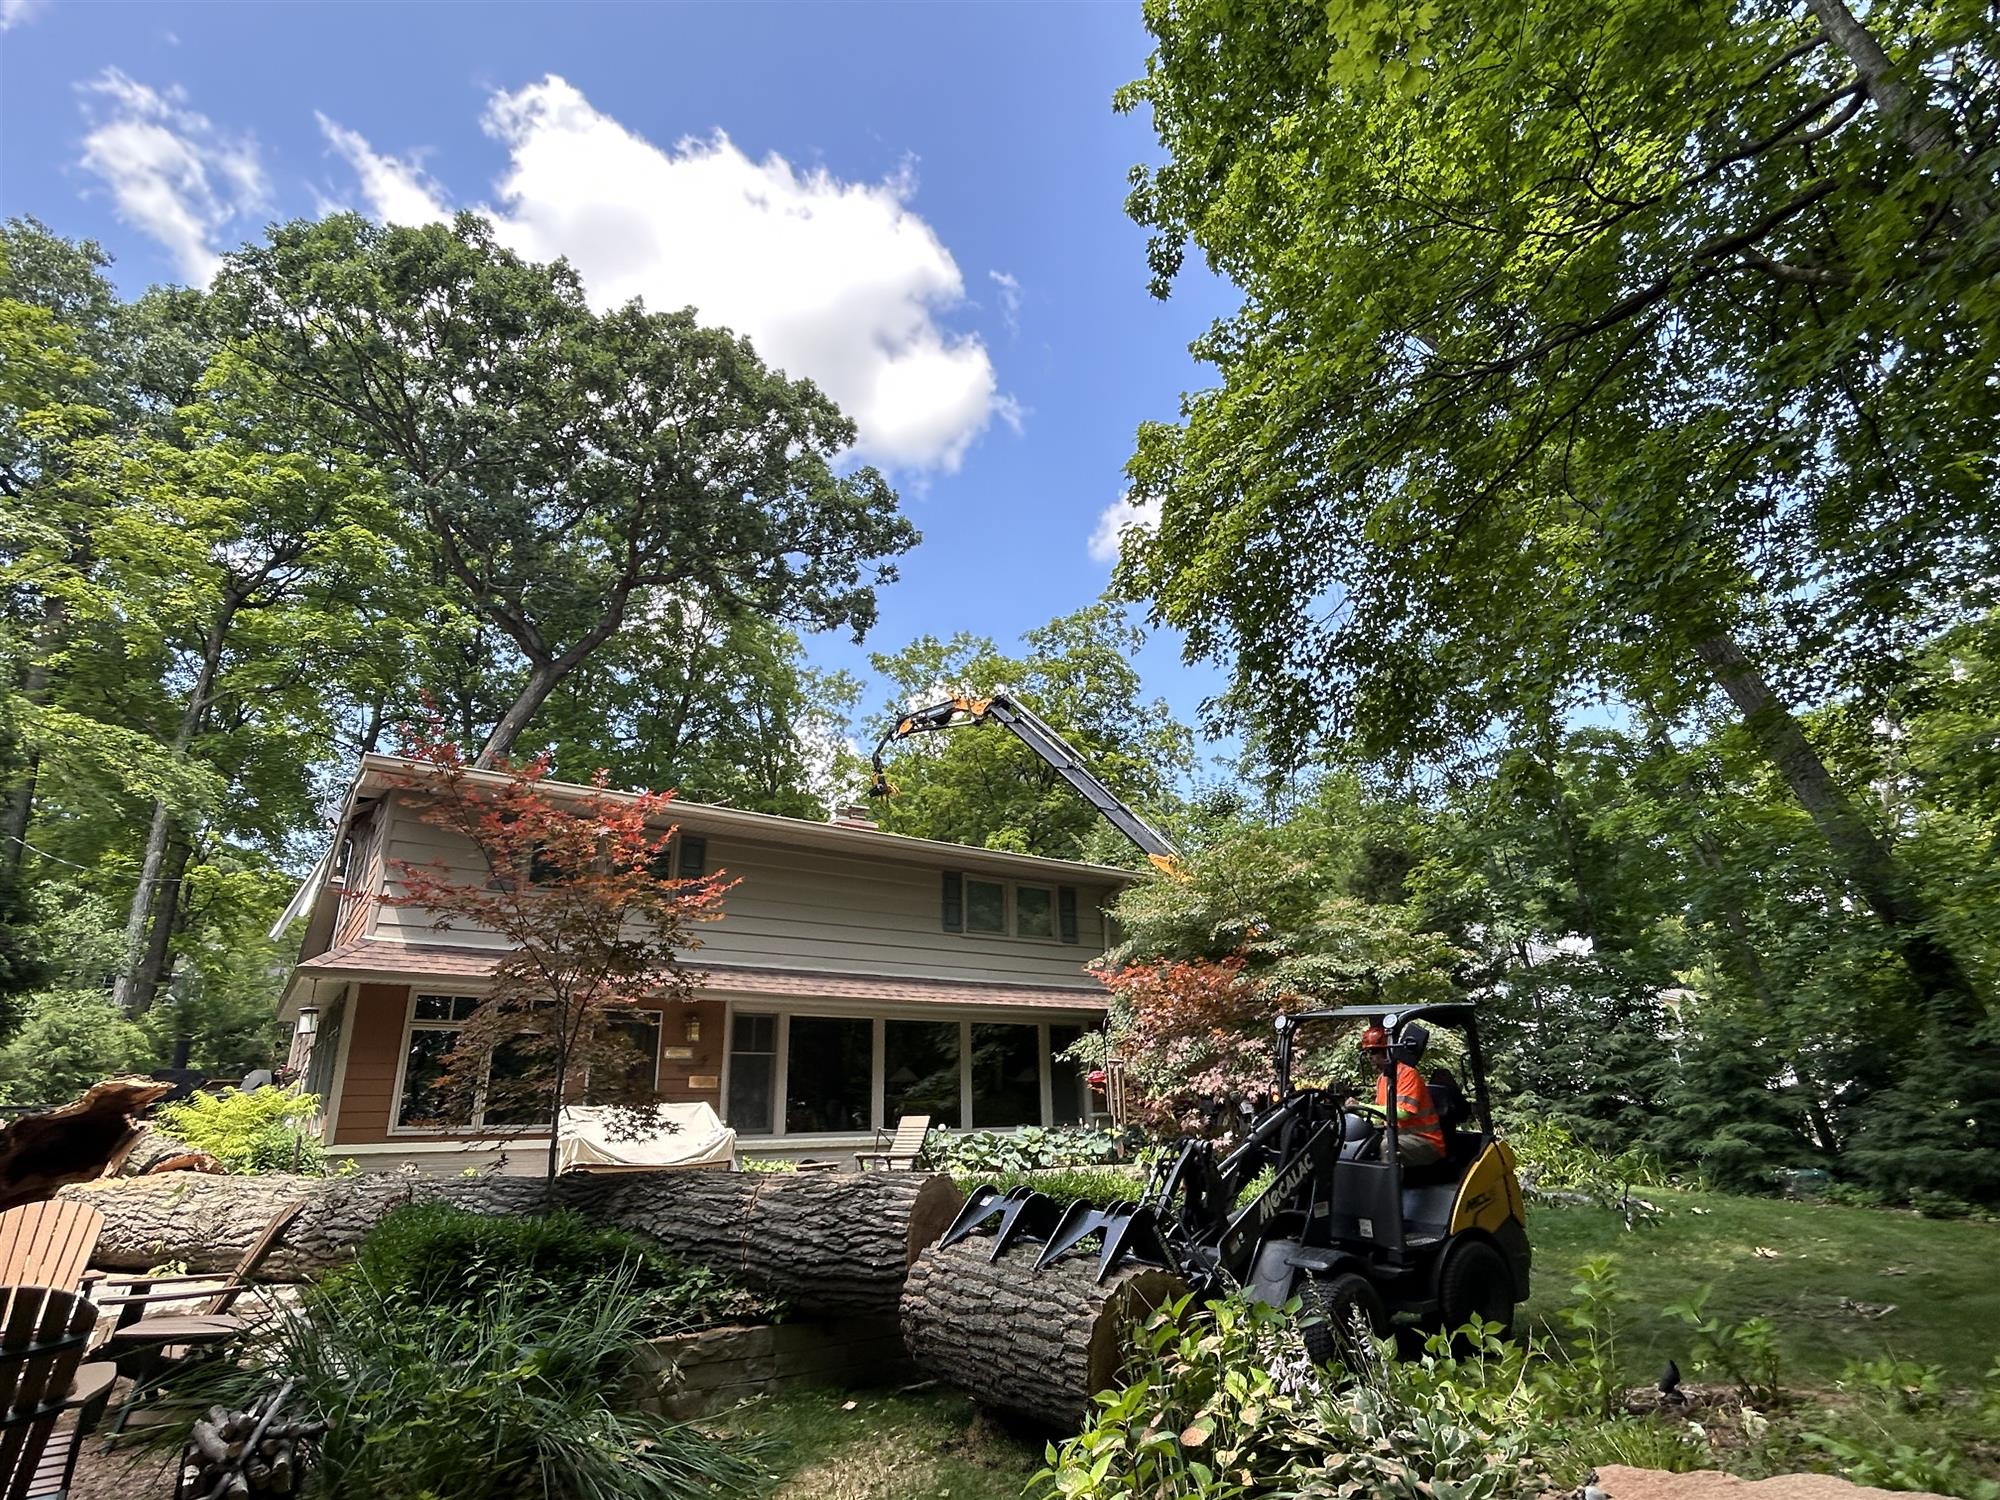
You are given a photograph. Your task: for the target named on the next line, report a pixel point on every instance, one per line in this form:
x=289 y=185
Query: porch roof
x=375 y=959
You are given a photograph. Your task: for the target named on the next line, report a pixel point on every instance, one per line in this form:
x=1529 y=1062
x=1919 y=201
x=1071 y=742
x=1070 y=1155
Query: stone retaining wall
x=694 y=1374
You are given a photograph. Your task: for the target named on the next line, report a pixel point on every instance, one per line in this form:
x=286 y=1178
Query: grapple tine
x=1079 y=1222
x=1131 y=1234
x=1026 y=1212
x=981 y=1204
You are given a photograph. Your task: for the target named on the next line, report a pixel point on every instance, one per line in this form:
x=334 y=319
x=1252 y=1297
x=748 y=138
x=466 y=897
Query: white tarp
x=689 y=1135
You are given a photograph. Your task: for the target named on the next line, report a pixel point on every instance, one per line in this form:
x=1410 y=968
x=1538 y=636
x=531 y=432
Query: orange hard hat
x=1374 y=1039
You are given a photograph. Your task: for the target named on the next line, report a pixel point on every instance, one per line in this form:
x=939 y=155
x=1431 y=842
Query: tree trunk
x=548 y=673
x=152 y=971
x=35 y=689
x=1866 y=861
x=830 y=1244
x=1925 y=133
x=146 y=895
x=1040 y=1343
x=141 y=910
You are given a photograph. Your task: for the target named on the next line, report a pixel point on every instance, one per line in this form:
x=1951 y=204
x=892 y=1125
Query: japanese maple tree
x=577 y=885
x=1195 y=1035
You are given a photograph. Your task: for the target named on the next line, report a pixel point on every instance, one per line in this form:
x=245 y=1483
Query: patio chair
x=48 y=1243
x=901 y=1154
x=149 y=1347
x=44 y=1332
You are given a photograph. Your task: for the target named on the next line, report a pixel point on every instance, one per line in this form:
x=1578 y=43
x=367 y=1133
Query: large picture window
x=920 y=1073
x=830 y=1073
x=1006 y=1076
x=807 y=1075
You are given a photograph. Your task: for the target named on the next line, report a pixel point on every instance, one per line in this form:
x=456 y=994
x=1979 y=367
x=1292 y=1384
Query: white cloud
x=171 y=173
x=18 y=12
x=1117 y=518
x=836 y=281
x=1010 y=298
x=398 y=192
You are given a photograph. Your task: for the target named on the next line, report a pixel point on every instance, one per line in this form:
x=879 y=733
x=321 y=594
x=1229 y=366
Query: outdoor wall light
x=691 y=1029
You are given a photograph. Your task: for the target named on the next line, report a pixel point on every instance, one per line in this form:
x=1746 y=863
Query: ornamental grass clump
x=438 y=1255
x=516 y=1398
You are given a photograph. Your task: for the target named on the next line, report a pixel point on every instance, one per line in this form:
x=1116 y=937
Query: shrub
x=432 y=1254
x=1033 y=1149
x=261 y=1131
x=513 y=1397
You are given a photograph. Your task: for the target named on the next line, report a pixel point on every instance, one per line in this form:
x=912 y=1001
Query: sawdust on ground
x=1622 y=1483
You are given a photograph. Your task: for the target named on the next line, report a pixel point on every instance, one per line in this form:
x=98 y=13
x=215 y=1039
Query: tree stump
x=1040 y=1343
x=831 y=1245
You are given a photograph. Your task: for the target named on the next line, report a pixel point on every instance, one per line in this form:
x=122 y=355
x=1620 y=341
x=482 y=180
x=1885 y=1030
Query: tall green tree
x=718 y=705
x=565 y=464
x=982 y=786
x=1585 y=348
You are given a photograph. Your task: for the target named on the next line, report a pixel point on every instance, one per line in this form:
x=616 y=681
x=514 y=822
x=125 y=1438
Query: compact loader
x=1342 y=1223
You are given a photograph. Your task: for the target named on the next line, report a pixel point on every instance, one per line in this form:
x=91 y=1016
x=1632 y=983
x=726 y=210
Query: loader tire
x=1331 y=1307
x=1475 y=1278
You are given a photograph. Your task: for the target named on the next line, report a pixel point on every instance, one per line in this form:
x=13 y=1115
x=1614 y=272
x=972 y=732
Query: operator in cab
x=1419 y=1136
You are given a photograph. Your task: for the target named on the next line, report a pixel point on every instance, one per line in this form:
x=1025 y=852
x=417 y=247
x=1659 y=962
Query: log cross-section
x=1040 y=1343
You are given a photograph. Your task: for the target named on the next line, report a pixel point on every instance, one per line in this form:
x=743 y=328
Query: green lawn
x=1942 y=1278
x=922 y=1445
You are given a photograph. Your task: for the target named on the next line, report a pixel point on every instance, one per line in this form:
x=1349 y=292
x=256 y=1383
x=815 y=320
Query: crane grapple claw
x=1079 y=1222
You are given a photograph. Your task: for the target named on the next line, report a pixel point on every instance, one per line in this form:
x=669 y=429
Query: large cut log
x=1040 y=1343
x=39 y=1153
x=827 y=1244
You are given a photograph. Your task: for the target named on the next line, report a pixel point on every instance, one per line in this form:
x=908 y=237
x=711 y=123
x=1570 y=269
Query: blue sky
x=918 y=205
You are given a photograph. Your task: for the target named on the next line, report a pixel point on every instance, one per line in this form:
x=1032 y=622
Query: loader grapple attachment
x=1130 y=1231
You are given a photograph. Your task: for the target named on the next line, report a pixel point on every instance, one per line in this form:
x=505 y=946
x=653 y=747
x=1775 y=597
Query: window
x=999 y=908
x=985 y=906
x=1034 y=911
x=753 y=1073
x=635 y=1074
x=436 y=1023
x=920 y=1070
x=829 y=1080
x=1006 y=1076
x=1065 y=1078
x=684 y=857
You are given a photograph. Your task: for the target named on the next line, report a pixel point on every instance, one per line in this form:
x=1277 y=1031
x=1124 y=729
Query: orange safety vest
x=1416 y=1115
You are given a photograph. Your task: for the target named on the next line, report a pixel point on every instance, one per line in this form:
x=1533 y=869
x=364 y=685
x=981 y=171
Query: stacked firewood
x=254 y=1452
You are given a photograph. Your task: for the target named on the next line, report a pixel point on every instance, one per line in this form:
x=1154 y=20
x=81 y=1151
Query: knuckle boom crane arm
x=1035 y=733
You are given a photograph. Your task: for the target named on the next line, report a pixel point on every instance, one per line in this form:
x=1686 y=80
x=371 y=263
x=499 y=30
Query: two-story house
x=856 y=976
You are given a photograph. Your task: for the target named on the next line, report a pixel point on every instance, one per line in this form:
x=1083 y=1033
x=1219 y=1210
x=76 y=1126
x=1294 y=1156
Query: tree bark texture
x=832 y=1245
x=1040 y=1343
x=1864 y=858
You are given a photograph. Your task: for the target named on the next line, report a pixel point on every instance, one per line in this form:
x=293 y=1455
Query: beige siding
x=803 y=909
x=364 y=877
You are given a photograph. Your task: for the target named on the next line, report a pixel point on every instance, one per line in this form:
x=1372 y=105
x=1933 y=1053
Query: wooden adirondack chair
x=902 y=1152
x=147 y=1348
x=48 y=1243
x=44 y=1332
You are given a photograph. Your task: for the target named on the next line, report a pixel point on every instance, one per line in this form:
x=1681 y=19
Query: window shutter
x=954 y=901
x=694 y=857
x=1066 y=912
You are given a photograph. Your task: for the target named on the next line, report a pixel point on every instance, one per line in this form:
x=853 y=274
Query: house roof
x=375 y=958
x=384 y=773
